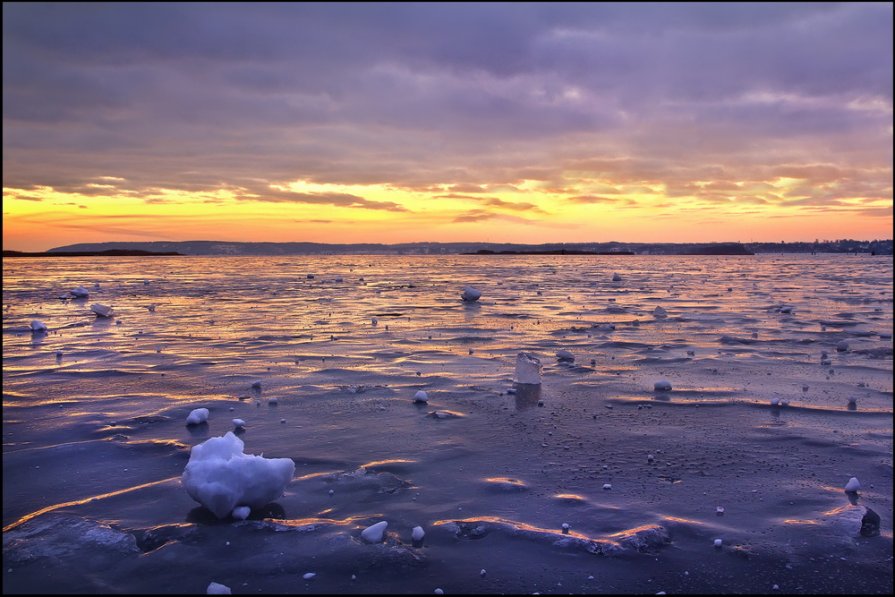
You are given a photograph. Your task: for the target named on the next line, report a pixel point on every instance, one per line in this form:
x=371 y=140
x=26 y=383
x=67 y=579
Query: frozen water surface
x=94 y=444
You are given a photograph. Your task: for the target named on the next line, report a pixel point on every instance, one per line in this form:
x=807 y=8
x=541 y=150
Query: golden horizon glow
x=42 y=218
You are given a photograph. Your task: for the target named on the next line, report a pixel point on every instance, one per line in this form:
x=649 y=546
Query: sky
x=511 y=122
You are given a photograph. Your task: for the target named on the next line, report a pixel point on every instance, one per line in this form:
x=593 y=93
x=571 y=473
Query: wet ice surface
x=95 y=441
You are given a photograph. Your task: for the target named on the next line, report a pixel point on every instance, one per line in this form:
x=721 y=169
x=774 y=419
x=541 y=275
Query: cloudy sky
x=446 y=122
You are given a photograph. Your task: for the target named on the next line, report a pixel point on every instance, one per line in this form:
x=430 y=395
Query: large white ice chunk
x=197 y=416
x=220 y=476
x=528 y=368
x=80 y=292
x=38 y=327
x=101 y=310
x=470 y=294
x=853 y=485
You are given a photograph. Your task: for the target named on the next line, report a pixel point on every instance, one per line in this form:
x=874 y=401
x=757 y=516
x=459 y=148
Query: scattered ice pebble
x=375 y=532
x=565 y=528
x=151 y=308
x=660 y=313
x=718 y=542
x=374 y=322
x=842 y=346
x=241 y=513
x=310 y=276
x=217 y=589
x=38 y=327
x=309 y=575
x=786 y=309
x=101 y=310
x=418 y=533
x=616 y=277
x=470 y=294
x=650 y=457
x=528 y=368
x=663 y=385
x=565 y=355
x=282 y=420
x=80 y=292
x=421 y=397
x=220 y=476
x=239 y=423
x=197 y=416
x=853 y=485
x=256 y=385
x=607 y=485
x=483 y=572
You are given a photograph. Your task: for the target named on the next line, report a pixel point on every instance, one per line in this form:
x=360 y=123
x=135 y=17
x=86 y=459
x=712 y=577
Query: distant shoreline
x=106 y=253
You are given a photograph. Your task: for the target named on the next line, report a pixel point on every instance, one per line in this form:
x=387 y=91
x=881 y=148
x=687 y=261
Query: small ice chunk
x=775 y=402
x=607 y=485
x=852 y=400
x=470 y=294
x=101 y=310
x=256 y=385
x=151 y=308
x=616 y=277
x=418 y=533
x=38 y=327
x=80 y=292
x=220 y=476
x=786 y=309
x=241 y=513
x=842 y=346
x=565 y=355
x=309 y=575
x=273 y=401
x=718 y=543
x=197 y=416
x=719 y=510
x=421 y=397
x=374 y=322
x=650 y=457
x=528 y=368
x=663 y=385
x=217 y=589
x=853 y=485
x=660 y=313
x=239 y=423
x=439 y=592
x=375 y=532
x=483 y=572
x=310 y=276
x=565 y=528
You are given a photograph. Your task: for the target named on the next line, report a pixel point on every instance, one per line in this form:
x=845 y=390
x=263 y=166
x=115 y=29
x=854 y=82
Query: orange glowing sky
x=374 y=123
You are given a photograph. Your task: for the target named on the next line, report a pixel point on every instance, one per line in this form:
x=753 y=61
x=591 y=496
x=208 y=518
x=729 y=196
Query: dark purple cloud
x=463 y=98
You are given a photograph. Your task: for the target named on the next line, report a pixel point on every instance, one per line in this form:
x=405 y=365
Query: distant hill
x=105 y=253
x=210 y=247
